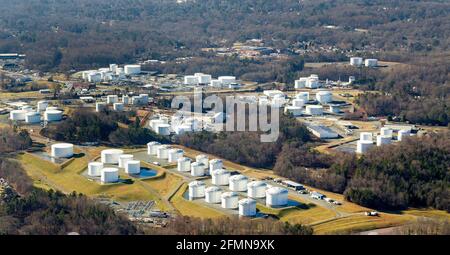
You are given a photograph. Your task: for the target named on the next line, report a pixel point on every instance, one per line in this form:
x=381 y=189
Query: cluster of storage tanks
x=111 y=73
x=119 y=105
x=384 y=137
x=113 y=157
x=275 y=196
x=164 y=125
x=206 y=79
x=358 y=61
x=31 y=116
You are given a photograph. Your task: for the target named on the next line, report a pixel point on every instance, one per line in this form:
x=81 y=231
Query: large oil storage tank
x=133 y=167
x=95 y=169
x=202 y=158
x=42 y=106
x=238 y=182
x=324 y=97
x=363 y=146
x=124 y=158
x=184 y=164
x=230 y=200
x=111 y=156
x=53 y=115
x=298 y=102
x=314 y=109
x=132 y=69
x=125 y=99
x=276 y=196
x=256 y=189
x=356 y=61
x=247 y=207
x=17 y=115
x=197 y=169
x=196 y=189
x=62 y=150
x=174 y=155
x=365 y=136
x=119 y=107
x=220 y=177
x=402 y=134
x=212 y=195
x=152 y=148
x=100 y=106
x=294 y=110
x=215 y=164
x=112 y=99
x=27 y=108
x=163 y=129
x=109 y=175
x=303 y=95
x=383 y=139
x=385 y=131
x=371 y=62
x=227 y=80
x=32 y=117
x=162 y=151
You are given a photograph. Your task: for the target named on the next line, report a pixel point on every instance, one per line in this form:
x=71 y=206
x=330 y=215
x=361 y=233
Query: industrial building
x=322 y=132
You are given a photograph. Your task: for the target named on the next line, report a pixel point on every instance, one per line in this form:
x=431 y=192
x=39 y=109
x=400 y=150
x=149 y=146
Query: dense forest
x=85 y=126
x=81 y=34
x=415 y=172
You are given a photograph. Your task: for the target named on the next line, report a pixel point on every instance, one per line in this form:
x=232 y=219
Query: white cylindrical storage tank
x=215 y=164
x=197 y=169
x=314 y=109
x=256 y=189
x=95 y=169
x=227 y=80
x=238 y=182
x=324 y=97
x=184 y=164
x=365 y=136
x=42 y=106
x=230 y=200
x=335 y=109
x=27 y=108
x=162 y=151
x=356 y=61
x=111 y=156
x=294 y=110
x=371 y=62
x=125 y=99
x=220 y=177
x=276 y=196
x=53 y=115
x=174 y=155
x=303 y=95
x=52 y=108
x=402 y=134
x=100 y=107
x=202 y=158
x=124 y=158
x=298 y=102
x=213 y=195
x=383 y=139
x=17 y=115
x=162 y=129
x=118 y=107
x=132 y=69
x=112 y=99
x=363 y=146
x=152 y=148
x=132 y=166
x=247 y=207
x=62 y=150
x=32 y=117
x=385 y=131
x=196 y=189
x=109 y=175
